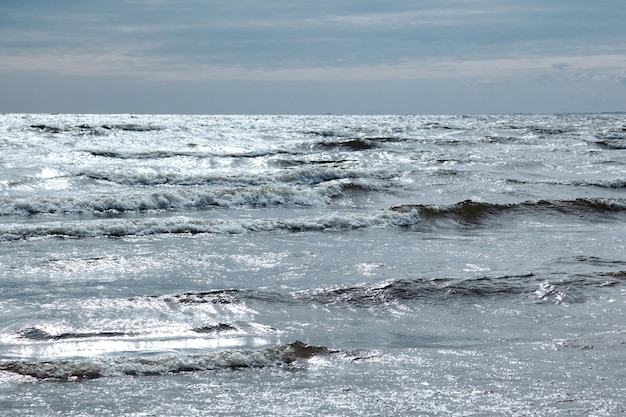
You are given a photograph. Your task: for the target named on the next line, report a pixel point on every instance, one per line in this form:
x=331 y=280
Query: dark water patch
x=611 y=143
x=547 y=131
x=352 y=145
x=516 y=181
x=34 y=333
x=592 y=260
x=118 y=179
x=86 y=129
x=387 y=139
x=497 y=139
x=96 y=129
x=324 y=133
x=589 y=205
x=620 y=275
x=438 y=126
x=214 y=328
x=446 y=171
x=467 y=212
x=204 y=297
x=143 y=155
x=609 y=184
x=292 y=162
x=164 y=154
x=46 y=129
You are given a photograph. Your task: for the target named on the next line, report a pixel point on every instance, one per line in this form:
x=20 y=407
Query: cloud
x=560 y=65
x=620 y=78
x=285 y=34
x=125 y=62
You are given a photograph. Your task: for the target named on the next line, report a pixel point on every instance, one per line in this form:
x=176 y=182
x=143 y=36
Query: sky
x=312 y=57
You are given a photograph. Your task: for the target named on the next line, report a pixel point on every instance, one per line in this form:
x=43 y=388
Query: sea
x=314 y=265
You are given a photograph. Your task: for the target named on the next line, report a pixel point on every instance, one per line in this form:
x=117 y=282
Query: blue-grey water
x=312 y=265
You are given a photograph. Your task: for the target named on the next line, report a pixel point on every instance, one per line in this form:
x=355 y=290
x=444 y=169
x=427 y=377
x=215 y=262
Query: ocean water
x=312 y=265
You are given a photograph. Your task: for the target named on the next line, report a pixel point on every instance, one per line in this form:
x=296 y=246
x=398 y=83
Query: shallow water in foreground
x=312 y=265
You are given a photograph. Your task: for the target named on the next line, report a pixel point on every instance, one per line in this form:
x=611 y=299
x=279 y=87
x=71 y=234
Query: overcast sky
x=322 y=56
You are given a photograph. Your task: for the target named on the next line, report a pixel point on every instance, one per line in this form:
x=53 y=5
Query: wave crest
x=471 y=212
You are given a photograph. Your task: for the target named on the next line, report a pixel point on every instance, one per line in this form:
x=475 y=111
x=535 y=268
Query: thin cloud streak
x=121 y=61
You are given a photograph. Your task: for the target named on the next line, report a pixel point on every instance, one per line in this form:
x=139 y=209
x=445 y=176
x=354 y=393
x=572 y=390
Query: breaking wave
x=281 y=355
x=523 y=288
x=313 y=173
x=466 y=213
x=471 y=212
x=355 y=144
x=185 y=225
x=527 y=287
x=172 y=199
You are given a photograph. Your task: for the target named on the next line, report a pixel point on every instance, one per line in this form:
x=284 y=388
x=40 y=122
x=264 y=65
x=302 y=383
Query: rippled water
x=312 y=265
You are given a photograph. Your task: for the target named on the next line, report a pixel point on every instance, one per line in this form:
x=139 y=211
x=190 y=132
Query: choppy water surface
x=312 y=265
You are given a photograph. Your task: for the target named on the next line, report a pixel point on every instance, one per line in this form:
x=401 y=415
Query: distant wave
x=34 y=333
x=141 y=155
x=355 y=144
x=440 y=126
x=94 y=130
x=281 y=355
x=610 y=184
x=612 y=133
x=612 y=138
x=200 y=154
x=38 y=334
x=303 y=173
x=615 y=183
x=612 y=143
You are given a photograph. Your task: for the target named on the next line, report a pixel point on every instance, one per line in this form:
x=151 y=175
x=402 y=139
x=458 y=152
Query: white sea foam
x=171 y=199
